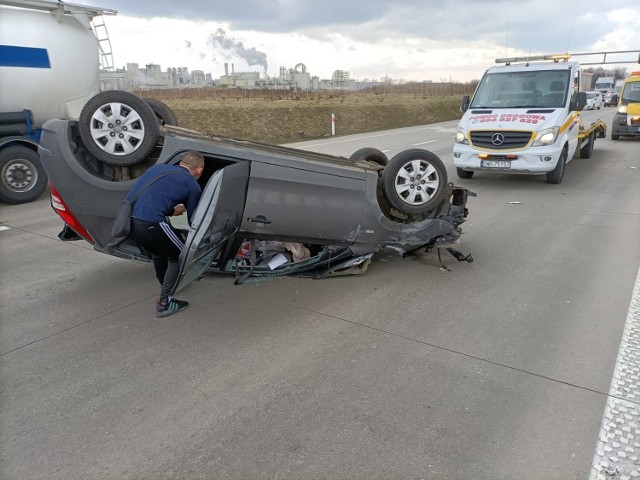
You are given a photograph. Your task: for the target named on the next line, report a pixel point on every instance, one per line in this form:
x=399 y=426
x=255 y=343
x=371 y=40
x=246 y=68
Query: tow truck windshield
x=528 y=89
x=631 y=93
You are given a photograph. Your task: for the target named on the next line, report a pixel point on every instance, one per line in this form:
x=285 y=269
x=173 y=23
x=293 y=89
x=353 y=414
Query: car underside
x=265 y=209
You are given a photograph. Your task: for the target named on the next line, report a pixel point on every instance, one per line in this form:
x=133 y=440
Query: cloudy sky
x=401 y=39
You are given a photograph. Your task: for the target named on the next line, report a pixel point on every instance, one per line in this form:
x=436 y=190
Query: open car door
x=215 y=221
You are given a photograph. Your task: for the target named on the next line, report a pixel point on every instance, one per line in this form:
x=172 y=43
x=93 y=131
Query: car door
x=314 y=202
x=214 y=223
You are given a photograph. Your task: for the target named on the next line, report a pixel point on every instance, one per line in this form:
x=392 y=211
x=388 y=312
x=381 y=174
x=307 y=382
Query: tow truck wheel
x=587 y=150
x=415 y=181
x=556 y=175
x=370 y=154
x=118 y=128
x=464 y=173
x=22 y=177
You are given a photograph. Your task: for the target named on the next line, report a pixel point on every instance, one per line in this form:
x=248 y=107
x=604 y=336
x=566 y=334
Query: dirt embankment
x=282 y=117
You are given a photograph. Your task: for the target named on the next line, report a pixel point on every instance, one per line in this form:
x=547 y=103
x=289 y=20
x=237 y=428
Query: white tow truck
x=524 y=118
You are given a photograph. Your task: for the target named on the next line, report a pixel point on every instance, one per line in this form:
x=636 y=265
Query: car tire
x=615 y=137
x=415 y=181
x=118 y=128
x=464 y=173
x=22 y=177
x=371 y=155
x=557 y=174
x=587 y=150
x=163 y=112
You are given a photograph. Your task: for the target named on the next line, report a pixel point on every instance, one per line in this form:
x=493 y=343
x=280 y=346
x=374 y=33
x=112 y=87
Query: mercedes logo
x=497 y=139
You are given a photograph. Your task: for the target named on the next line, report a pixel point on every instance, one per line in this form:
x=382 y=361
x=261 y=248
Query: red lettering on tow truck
x=522 y=118
x=483 y=118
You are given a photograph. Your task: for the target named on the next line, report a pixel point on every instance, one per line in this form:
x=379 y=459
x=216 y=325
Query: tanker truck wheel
x=22 y=178
x=118 y=128
x=163 y=112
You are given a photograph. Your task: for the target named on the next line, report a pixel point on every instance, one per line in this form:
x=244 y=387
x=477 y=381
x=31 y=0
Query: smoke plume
x=220 y=41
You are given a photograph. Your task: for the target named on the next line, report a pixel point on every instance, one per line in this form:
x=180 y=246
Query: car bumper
x=537 y=160
x=624 y=129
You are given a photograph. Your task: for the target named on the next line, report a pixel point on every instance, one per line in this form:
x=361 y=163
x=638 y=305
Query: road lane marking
x=618 y=450
x=423 y=143
x=4 y=228
x=359 y=138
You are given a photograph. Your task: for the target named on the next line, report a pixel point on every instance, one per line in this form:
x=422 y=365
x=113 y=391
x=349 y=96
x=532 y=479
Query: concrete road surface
x=499 y=369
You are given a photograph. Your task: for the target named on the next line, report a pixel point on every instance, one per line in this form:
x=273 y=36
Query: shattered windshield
x=529 y=89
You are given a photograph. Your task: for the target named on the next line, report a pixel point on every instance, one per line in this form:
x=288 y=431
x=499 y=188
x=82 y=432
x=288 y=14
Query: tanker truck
x=49 y=68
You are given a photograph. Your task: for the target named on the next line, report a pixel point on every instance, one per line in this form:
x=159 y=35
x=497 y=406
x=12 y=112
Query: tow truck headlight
x=461 y=137
x=546 y=137
x=622 y=109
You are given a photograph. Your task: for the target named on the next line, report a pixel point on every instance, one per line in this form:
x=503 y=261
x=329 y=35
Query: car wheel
x=415 y=181
x=464 y=173
x=163 y=112
x=371 y=155
x=556 y=175
x=23 y=178
x=614 y=136
x=118 y=128
x=587 y=150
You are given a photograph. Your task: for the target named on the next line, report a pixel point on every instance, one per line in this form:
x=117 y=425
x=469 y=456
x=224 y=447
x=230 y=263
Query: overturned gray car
x=265 y=209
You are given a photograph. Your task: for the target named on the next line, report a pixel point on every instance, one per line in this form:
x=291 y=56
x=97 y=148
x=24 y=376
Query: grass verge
x=284 y=120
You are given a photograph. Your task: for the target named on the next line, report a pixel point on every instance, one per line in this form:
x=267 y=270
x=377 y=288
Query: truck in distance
x=604 y=85
x=626 y=121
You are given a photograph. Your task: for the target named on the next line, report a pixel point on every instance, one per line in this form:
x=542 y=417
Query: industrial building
x=296 y=78
x=132 y=77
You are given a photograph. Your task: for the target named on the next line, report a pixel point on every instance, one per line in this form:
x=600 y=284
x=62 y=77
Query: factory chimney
x=226 y=69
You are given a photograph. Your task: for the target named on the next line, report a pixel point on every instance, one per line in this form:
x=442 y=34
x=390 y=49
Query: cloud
x=400 y=38
x=541 y=25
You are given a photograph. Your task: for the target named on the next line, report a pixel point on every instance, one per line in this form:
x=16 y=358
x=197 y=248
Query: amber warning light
x=534 y=58
x=487 y=156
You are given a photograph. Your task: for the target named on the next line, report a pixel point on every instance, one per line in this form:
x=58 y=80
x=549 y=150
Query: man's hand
x=179 y=210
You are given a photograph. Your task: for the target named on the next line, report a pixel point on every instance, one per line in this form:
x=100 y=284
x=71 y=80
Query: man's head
x=194 y=162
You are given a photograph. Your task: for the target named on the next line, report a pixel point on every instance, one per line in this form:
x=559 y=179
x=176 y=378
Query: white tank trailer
x=49 y=68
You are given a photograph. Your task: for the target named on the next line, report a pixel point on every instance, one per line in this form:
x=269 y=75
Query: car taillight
x=58 y=205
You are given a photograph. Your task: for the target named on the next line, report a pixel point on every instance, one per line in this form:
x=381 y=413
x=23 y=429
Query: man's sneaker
x=171 y=307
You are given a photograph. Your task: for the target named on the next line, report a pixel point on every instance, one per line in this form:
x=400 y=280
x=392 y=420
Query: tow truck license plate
x=495 y=164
